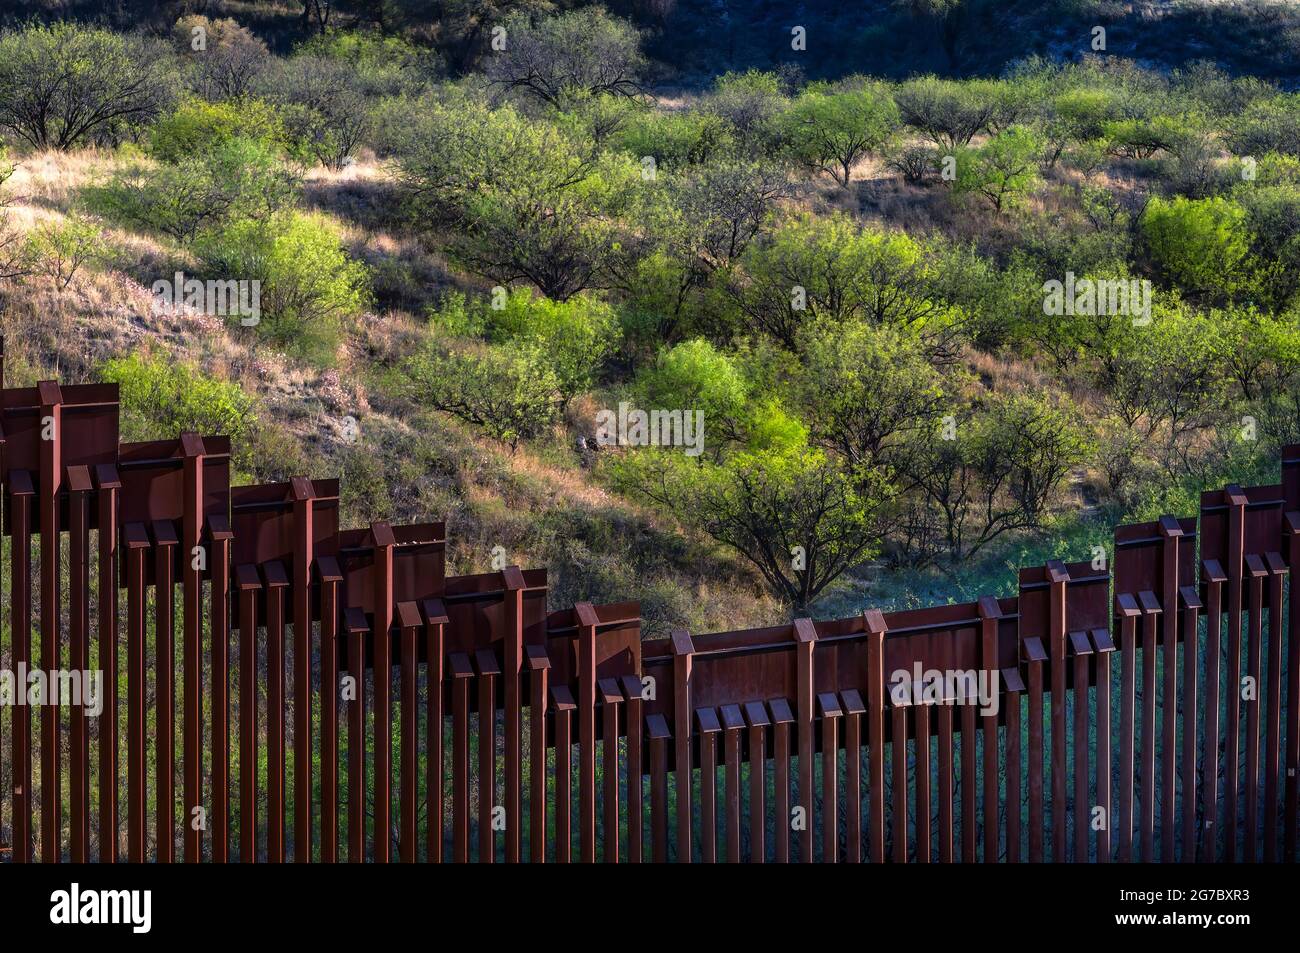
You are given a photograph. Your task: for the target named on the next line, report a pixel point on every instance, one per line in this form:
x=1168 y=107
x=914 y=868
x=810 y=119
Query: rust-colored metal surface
x=353 y=702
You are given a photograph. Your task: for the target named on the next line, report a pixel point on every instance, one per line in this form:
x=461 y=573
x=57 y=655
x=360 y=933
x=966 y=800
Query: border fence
x=342 y=698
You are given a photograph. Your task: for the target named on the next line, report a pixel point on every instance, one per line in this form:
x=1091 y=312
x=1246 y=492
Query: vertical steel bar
x=357 y=633
x=854 y=709
x=1273 y=734
x=409 y=744
x=945 y=789
x=657 y=729
x=610 y=700
x=1013 y=774
x=1171 y=533
x=732 y=725
x=708 y=734
x=632 y=692
x=1057 y=579
x=79 y=487
x=137 y=544
x=779 y=709
x=220 y=625
x=899 y=751
x=1235 y=557
x=1147 y=821
x=1127 y=715
x=830 y=713
x=1081 y=812
x=924 y=834
x=302 y=493
x=382 y=580
x=756 y=716
x=329 y=715
x=1191 y=637
x=193 y=560
x=276 y=584
x=51 y=482
x=512 y=715
x=1035 y=762
x=874 y=622
x=461 y=672
x=990 y=613
x=165 y=541
x=539 y=665
x=248 y=583
x=806 y=638
x=108 y=602
x=488 y=670
x=1214 y=578
x=1103 y=751
x=587 y=621
x=683 y=650
x=434 y=718
x=968 y=783
x=1291 y=804
x=1253 y=658
x=563 y=704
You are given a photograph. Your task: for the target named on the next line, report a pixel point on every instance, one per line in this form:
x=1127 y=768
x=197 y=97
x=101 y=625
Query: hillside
x=846 y=271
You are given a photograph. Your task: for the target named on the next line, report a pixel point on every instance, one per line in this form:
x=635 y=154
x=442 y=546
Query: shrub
x=580 y=51
x=384 y=65
x=1200 y=244
x=225 y=59
x=831 y=130
x=61 y=248
x=162 y=397
x=677 y=139
x=511 y=394
x=197 y=127
x=238 y=179
x=63 y=85
x=1003 y=170
x=324 y=105
x=574 y=337
x=948 y=113
x=750 y=102
x=308 y=283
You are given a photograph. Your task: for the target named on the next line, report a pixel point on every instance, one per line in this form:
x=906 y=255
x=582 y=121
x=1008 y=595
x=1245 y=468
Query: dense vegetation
x=850 y=279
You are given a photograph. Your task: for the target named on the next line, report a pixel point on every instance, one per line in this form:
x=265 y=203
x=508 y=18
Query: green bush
x=64 y=85
x=62 y=248
x=574 y=337
x=238 y=179
x=1202 y=245
x=511 y=394
x=196 y=127
x=830 y=130
x=308 y=283
x=162 y=397
x=1003 y=170
x=677 y=139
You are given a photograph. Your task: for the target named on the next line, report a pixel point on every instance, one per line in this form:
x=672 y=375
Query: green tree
x=799 y=516
x=581 y=51
x=997 y=470
x=1202 y=245
x=509 y=393
x=63 y=85
x=831 y=130
x=1003 y=170
x=526 y=201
